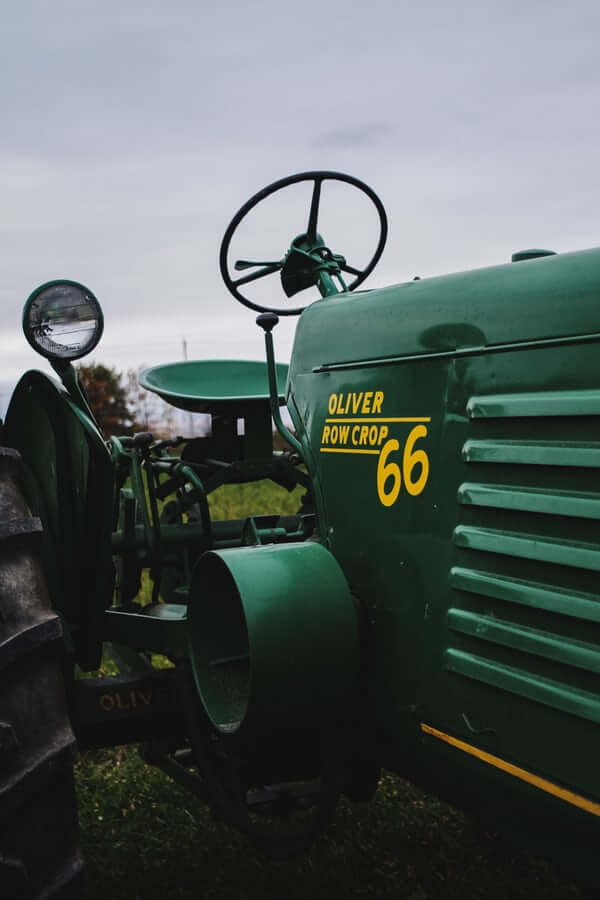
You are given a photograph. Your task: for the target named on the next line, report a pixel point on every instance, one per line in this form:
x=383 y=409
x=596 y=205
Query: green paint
x=541 y=299
x=575 y=701
x=580 y=654
x=70 y=484
x=541 y=500
x=534 y=453
x=529 y=546
x=273 y=640
x=527 y=593
x=212 y=385
x=547 y=403
x=161 y=628
x=444 y=566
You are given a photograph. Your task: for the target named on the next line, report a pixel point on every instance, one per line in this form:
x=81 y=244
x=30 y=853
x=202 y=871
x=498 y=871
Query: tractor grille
x=525 y=609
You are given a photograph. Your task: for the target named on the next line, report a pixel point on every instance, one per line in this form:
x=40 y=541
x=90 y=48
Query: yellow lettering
x=364 y=434
x=367 y=402
x=332 y=403
x=107 y=702
x=383 y=433
x=377 y=403
x=344 y=430
x=412 y=460
x=325 y=438
x=356 y=401
x=340 y=406
x=355 y=431
x=386 y=472
x=373 y=435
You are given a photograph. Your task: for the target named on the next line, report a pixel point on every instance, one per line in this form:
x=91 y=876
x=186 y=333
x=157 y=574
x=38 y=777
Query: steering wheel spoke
x=242 y=264
x=310 y=244
x=311 y=231
x=346 y=268
x=254 y=276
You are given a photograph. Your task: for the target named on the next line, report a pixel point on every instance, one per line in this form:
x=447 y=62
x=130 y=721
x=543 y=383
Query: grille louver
x=525 y=611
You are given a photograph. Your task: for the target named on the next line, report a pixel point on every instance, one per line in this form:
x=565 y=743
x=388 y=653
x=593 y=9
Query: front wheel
x=39 y=830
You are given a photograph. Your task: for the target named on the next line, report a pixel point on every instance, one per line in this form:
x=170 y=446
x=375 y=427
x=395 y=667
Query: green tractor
x=432 y=607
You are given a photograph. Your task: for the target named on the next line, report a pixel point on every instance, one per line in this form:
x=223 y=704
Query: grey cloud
x=369 y=133
x=132 y=132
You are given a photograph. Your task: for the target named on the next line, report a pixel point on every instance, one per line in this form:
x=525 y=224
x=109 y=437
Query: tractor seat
x=213 y=386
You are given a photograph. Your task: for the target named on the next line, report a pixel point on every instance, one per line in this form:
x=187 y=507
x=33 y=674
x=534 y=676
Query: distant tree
x=149 y=411
x=141 y=402
x=108 y=398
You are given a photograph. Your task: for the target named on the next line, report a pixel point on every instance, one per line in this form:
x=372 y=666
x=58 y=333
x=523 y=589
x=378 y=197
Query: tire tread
x=40 y=857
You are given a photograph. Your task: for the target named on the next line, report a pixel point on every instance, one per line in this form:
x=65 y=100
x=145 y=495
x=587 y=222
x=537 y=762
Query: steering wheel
x=308 y=256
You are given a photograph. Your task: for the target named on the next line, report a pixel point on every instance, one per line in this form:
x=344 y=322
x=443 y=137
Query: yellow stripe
x=517 y=772
x=382 y=419
x=343 y=450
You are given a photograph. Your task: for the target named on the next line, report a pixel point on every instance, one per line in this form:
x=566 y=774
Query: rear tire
x=39 y=830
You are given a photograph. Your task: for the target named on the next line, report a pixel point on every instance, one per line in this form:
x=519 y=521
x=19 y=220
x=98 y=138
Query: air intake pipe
x=273 y=642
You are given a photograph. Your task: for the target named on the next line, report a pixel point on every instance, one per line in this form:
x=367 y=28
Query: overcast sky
x=132 y=132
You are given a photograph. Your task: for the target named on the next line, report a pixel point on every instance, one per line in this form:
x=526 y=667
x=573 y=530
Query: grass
x=145 y=837
x=233 y=501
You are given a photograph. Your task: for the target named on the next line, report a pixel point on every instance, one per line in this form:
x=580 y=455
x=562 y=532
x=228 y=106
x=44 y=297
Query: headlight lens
x=62 y=320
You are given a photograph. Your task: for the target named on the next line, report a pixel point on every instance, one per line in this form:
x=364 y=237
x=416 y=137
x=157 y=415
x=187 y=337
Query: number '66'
x=389 y=477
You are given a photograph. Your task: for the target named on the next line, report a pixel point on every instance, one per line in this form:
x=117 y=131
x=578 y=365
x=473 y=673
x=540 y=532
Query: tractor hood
x=550 y=297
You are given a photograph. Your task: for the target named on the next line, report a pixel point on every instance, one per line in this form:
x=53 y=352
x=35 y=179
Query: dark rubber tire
x=39 y=829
